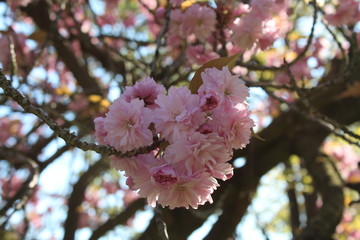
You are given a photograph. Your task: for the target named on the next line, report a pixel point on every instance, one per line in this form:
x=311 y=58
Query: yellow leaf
x=94 y=98
x=268 y=75
x=289 y=56
x=294 y=35
x=63 y=91
x=294 y=160
x=307 y=179
x=184 y=5
x=196 y=81
x=105 y=103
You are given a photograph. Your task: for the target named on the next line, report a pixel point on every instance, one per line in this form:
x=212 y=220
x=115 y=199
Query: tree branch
x=78 y=194
x=120 y=219
x=70 y=138
x=329 y=184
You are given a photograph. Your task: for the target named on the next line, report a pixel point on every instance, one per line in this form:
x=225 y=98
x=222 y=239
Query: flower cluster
x=347 y=12
x=199 y=131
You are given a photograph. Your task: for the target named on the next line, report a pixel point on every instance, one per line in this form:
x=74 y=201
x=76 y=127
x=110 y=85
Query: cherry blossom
x=347 y=12
x=178 y=114
x=199 y=20
x=201 y=130
x=146 y=90
x=126 y=125
x=230 y=88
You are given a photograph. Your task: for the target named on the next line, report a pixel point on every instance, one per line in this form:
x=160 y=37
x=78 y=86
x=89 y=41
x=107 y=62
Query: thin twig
x=299 y=56
x=70 y=138
x=158 y=40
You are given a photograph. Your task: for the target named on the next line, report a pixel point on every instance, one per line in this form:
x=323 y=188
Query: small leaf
x=219 y=63
x=39 y=36
x=253 y=134
x=6 y=32
x=184 y=5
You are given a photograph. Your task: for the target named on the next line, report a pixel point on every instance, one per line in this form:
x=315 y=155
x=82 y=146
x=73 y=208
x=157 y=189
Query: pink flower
x=246 y=31
x=127 y=124
x=78 y=103
x=164 y=175
x=191 y=191
x=234 y=125
x=230 y=88
x=100 y=132
x=205 y=129
x=347 y=158
x=270 y=32
x=175 y=41
x=223 y=171
x=11 y=186
x=199 y=20
x=147 y=90
x=178 y=114
x=199 y=55
x=262 y=9
x=201 y=130
x=18 y=3
x=176 y=20
x=209 y=100
x=192 y=154
x=348 y=13
x=299 y=70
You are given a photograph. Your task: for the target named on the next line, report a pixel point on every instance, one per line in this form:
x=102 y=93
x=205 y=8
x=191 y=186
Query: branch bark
x=39 y=12
x=329 y=184
x=119 y=219
x=78 y=194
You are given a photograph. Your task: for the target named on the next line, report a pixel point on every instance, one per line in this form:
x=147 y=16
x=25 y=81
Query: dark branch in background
x=283 y=138
x=78 y=194
x=310 y=205
x=70 y=138
x=55 y=156
x=329 y=184
x=161 y=225
x=120 y=219
x=343 y=53
x=294 y=209
x=102 y=55
x=158 y=40
x=126 y=39
x=39 y=12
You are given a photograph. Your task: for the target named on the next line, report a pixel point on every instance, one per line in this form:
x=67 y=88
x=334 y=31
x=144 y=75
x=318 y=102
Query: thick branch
x=78 y=194
x=329 y=184
x=39 y=11
x=283 y=137
x=119 y=219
